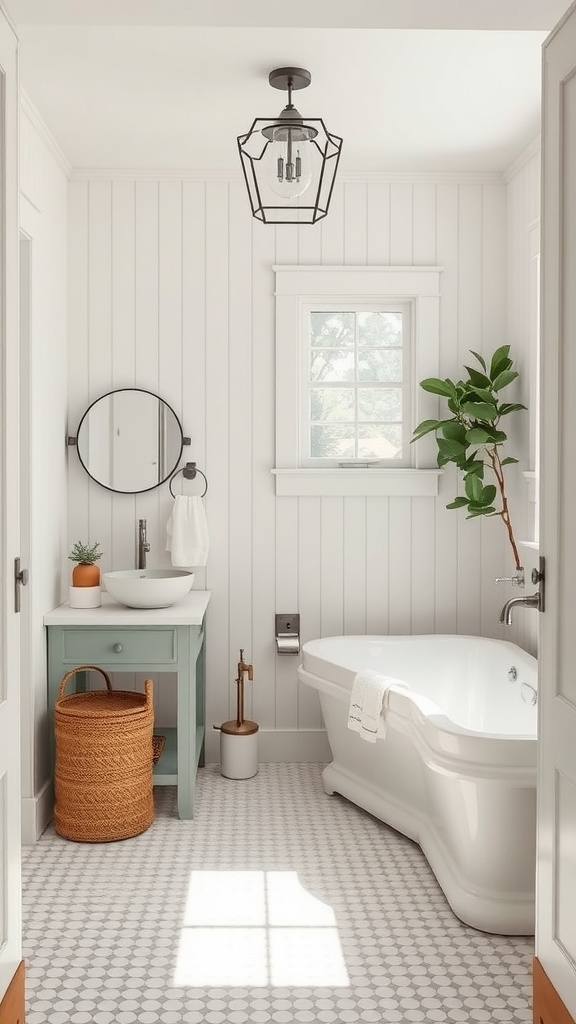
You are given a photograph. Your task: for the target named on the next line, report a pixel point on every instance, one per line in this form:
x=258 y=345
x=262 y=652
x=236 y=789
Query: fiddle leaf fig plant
x=471 y=437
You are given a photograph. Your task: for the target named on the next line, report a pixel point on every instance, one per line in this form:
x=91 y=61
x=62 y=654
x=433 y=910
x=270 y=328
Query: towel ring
x=189 y=471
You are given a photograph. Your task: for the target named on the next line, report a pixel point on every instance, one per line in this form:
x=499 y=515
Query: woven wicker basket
x=104 y=754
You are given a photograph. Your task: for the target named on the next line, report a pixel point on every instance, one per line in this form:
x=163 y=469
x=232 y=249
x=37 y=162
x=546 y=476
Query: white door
x=10 y=928
x=556 y=883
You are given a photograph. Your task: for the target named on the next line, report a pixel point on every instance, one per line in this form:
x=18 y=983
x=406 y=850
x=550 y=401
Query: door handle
x=21 y=578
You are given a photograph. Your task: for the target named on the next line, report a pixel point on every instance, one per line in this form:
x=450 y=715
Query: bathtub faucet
x=532 y=601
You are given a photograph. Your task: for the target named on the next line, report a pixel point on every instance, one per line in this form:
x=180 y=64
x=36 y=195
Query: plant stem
x=504 y=513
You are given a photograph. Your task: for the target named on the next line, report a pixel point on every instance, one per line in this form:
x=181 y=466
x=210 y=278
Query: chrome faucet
x=532 y=601
x=143 y=545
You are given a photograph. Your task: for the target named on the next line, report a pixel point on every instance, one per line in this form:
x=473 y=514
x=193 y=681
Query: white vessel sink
x=148 y=588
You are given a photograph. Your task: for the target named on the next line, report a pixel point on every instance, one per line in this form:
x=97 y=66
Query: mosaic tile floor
x=276 y=904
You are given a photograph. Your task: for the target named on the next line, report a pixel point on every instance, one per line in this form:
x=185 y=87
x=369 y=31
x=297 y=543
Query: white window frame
x=306 y=460
x=298 y=288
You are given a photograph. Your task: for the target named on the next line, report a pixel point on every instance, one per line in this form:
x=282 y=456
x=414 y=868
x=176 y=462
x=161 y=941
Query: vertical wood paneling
x=332 y=567
x=470 y=254
x=123 y=346
x=378 y=223
x=194 y=329
x=147 y=313
x=240 y=400
x=355 y=222
x=400 y=566
x=447 y=551
x=100 y=335
x=218 y=509
x=309 y=594
x=262 y=497
x=401 y=223
x=355 y=565
x=78 y=355
x=333 y=229
x=423 y=565
x=377 y=576
x=172 y=290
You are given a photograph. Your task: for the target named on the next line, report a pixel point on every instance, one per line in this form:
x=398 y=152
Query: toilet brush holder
x=238 y=750
x=239 y=737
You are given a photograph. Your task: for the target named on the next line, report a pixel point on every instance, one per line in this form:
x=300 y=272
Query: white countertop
x=189 y=611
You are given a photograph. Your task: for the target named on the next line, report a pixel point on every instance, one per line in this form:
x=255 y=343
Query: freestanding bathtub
x=456 y=769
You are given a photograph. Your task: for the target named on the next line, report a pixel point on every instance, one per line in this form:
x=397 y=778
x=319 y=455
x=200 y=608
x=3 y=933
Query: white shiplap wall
x=171 y=288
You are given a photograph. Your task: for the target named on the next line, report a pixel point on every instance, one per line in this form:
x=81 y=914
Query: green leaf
x=475 y=466
x=498 y=436
x=483 y=393
x=498 y=360
x=473 y=487
x=458 y=503
x=450 y=448
x=479 y=358
x=503 y=379
x=438 y=387
x=453 y=429
x=476 y=435
x=480 y=411
x=425 y=427
x=480 y=511
x=508 y=407
x=508 y=461
x=476 y=378
x=488 y=494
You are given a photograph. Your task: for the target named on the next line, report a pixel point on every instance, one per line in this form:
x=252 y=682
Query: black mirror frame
x=116 y=391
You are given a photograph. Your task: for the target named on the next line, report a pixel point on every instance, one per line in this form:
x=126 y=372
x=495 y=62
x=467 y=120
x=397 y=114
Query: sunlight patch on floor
x=257 y=928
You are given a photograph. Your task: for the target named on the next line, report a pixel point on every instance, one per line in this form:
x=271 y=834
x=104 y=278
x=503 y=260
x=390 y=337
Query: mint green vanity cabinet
x=120 y=639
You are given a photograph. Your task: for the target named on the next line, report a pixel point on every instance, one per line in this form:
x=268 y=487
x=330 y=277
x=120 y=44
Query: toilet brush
x=238 y=738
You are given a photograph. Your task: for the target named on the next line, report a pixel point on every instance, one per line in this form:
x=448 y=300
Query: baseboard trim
x=12 y=1006
x=299 y=746
x=36 y=814
x=548 y=1007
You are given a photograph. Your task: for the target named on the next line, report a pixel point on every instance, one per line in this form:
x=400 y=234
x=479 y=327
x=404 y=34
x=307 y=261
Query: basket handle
x=82 y=668
x=148 y=686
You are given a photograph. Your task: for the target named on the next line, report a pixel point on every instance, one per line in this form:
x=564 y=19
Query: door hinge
x=20 y=580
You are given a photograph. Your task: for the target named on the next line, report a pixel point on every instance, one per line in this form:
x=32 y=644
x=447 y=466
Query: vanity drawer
x=119 y=646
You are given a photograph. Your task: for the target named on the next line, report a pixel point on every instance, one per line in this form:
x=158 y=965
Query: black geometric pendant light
x=289 y=162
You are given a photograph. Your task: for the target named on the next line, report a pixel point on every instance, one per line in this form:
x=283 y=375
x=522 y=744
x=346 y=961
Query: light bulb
x=289 y=164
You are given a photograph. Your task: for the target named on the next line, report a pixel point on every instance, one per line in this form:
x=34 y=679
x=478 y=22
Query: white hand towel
x=366 y=714
x=187 y=532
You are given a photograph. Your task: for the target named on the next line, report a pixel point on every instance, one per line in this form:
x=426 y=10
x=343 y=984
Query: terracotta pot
x=86 y=574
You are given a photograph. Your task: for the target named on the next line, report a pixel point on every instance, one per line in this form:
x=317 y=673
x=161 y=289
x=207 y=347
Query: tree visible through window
x=357 y=384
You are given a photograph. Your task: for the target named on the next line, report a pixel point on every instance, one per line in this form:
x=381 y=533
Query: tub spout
x=532 y=601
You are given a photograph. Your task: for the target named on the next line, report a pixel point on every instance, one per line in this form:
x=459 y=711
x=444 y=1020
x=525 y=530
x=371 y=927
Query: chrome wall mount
x=288 y=634
x=189 y=472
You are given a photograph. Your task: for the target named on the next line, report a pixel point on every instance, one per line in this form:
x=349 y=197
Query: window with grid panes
x=356 y=384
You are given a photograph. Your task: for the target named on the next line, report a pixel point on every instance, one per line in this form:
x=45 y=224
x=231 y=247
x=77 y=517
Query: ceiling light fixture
x=289 y=163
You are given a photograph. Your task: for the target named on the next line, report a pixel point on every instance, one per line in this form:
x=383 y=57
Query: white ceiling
x=170 y=84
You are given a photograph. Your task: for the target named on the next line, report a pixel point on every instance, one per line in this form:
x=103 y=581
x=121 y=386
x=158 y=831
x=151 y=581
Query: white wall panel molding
x=43 y=131
x=364 y=482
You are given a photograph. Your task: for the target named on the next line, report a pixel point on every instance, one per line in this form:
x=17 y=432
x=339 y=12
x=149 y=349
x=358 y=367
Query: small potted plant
x=85 y=588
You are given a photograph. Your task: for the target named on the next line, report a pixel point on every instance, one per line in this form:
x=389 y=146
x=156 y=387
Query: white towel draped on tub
x=366 y=714
x=187 y=532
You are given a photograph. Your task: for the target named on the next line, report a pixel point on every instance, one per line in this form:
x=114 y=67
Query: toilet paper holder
x=288 y=633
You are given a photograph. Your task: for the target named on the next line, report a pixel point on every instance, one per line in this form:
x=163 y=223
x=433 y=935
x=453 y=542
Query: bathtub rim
x=489 y=756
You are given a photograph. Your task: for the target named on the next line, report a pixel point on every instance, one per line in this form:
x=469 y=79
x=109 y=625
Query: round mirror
x=129 y=440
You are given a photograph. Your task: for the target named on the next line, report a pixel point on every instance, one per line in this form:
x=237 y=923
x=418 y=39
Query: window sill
x=360 y=482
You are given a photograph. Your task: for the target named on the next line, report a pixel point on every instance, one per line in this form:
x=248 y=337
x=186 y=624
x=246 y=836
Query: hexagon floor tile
x=277 y=903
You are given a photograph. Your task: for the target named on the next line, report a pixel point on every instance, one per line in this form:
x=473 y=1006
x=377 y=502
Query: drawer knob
x=117 y=648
